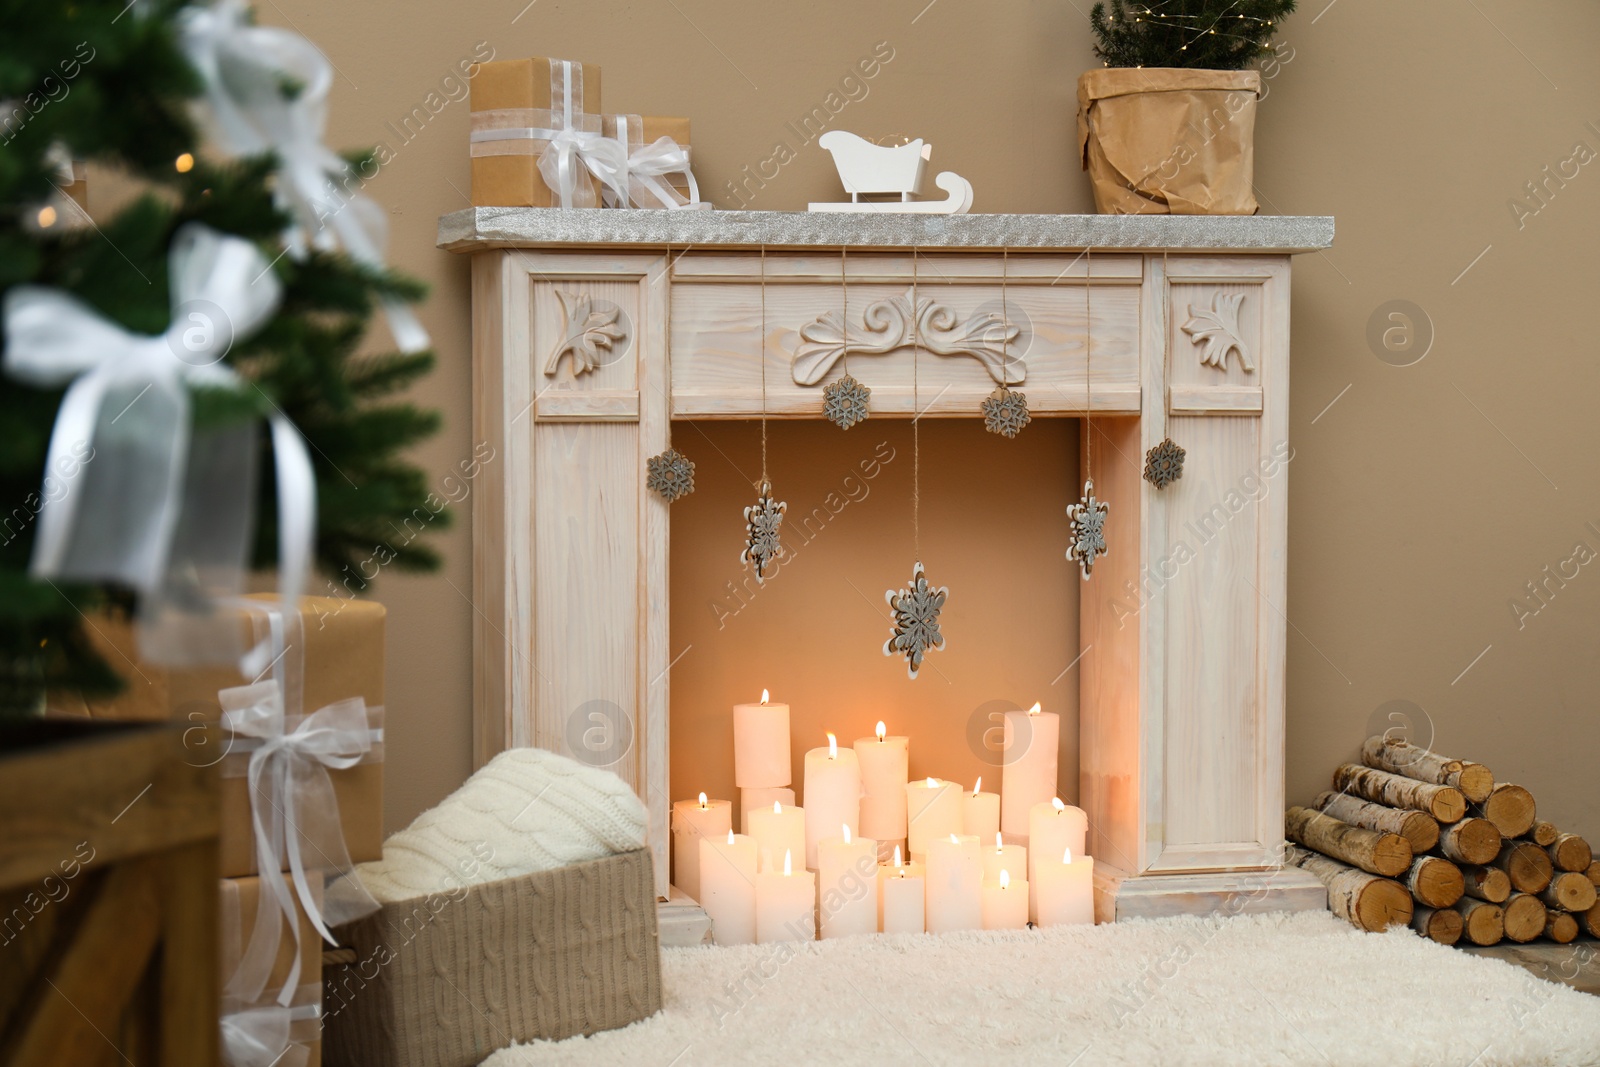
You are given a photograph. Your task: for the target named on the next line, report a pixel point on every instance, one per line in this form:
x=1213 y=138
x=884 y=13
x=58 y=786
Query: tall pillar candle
x=692 y=822
x=786 y=903
x=1004 y=857
x=832 y=795
x=761 y=745
x=980 y=813
x=1065 y=889
x=728 y=887
x=884 y=770
x=778 y=829
x=933 y=810
x=901 y=897
x=955 y=885
x=1005 y=903
x=1053 y=828
x=762 y=799
x=1028 y=772
x=847 y=884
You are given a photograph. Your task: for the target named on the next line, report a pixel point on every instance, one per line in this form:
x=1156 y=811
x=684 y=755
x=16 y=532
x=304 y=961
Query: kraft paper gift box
x=240 y=897
x=339 y=655
x=518 y=107
x=657 y=176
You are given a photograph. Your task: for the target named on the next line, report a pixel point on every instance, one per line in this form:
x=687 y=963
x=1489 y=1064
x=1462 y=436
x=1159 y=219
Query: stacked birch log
x=1409 y=836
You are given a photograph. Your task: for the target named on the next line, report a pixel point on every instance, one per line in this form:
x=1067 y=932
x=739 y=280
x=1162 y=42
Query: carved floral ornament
x=1216 y=331
x=890 y=324
x=596 y=333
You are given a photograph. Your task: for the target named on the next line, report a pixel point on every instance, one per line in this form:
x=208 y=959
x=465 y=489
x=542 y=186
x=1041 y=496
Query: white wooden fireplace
x=1182 y=692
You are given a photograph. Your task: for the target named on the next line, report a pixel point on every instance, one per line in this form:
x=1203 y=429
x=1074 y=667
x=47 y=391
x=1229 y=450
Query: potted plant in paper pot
x=1168 y=124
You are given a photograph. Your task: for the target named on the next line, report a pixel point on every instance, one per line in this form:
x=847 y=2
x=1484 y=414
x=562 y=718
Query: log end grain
x=1528 y=866
x=1475 y=781
x=1435 y=882
x=1443 y=925
x=1484 y=923
x=1475 y=841
x=1487 y=883
x=1511 y=809
x=1561 y=927
x=1570 y=891
x=1525 y=917
x=1544 y=834
x=1569 y=852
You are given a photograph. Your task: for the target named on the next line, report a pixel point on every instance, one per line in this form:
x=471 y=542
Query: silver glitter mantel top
x=480 y=228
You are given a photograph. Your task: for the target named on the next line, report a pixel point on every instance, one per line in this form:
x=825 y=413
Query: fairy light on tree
x=1199 y=34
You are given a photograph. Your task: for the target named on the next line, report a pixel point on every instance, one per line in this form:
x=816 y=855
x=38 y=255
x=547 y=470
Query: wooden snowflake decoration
x=844 y=402
x=1088 y=518
x=762 y=541
x=916 y=620
x=1163 y=464
x=1005 y=412
x=671 y=474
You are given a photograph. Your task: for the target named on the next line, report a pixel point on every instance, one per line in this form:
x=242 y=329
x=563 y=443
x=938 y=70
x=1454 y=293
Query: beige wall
x=1423 y=499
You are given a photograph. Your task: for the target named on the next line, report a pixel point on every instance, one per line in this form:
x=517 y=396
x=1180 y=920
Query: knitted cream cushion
x=525 y=810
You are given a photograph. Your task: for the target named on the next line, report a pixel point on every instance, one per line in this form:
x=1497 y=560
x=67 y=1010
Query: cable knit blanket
x=525 y=810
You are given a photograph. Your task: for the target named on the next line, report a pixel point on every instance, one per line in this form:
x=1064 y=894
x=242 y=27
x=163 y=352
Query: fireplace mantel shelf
x=482 y=228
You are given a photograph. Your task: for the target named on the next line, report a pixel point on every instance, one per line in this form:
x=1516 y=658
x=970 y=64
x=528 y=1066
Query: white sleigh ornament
x=867 y=169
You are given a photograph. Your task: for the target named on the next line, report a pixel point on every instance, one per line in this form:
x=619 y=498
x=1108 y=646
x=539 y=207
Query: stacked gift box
x=299 y=746
x=539 y=138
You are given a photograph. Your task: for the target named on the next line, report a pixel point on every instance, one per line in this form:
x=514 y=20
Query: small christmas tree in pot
x=1167 y=126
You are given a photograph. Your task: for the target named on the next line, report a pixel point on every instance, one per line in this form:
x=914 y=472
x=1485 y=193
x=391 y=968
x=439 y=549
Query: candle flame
x=833 y=747
x=881 y=730
x=1055 y=802
x=777 y=808
x=1005 y=878
x=1031 y=711
x=788 y=862
x=954 y=840
x=846 y=828
x=999 y=842
x=765 y=696
x=932 y=783
x=702 y=800
x=977 y=785
x=1066 y=857
x=730 y=837
x=897 y=860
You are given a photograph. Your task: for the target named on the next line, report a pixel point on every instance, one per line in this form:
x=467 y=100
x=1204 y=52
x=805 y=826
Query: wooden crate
x=108 y=896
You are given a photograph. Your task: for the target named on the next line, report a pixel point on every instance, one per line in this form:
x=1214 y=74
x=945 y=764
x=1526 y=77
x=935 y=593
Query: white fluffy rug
x=1271 y=989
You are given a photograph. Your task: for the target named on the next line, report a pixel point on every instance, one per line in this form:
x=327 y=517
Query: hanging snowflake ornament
x=844 y=402
x=1088 y=518
x=916 y=619
x=671 y=474
x=762 y=543
x=1005 y=412
x=1163 y=464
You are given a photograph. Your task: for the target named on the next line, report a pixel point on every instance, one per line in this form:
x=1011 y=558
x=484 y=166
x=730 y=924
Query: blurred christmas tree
x=1198 y=34
x=112 y=82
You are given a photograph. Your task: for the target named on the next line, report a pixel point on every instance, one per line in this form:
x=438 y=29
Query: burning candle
x=1004 y=857
x=955 y=885
x=728 y=887
x=1005 y=903
x=1066 y=890
x=1053 y=827
x=980 y=813
x=933 y=811
x=832 y=794
x=884 y=772
x=900 y=897
x=692 y=822
x=761 y=745
x=847 y=885
x=786 y=904
x=1028 y=775
x=778 y=831
x=762 y=799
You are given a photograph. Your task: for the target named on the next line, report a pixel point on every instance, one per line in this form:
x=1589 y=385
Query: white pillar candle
x=955 y=885
x=1053 y=828
x=728 y=887
x=847 y=884
x=1005 y=903
x=1028 y=774
x=832 y=795
x=1066 y=890
x=1004 y=857
x=761 y=745
x=980 y=813
x=933 y=811
x=884 y=770
x=777 y=830
x=693 y=821
x=900 y=897
x=786 y=903
x=762 y=799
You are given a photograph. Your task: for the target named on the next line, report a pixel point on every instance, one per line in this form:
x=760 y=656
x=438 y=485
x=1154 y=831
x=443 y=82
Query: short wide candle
x=728 y=887
x=786 y=903
x=933 y=810
x=980 y=813
x=832 y=795
x=762 y=800
x=1028 y=775
x=1053 y=828
x=761 y=745
x=1003 y=857
x=692 y=822
x=1065 y=891
x=955 y=885
x=1005 y=903
x=901 y=903
x=847 y=886
x=777 y=830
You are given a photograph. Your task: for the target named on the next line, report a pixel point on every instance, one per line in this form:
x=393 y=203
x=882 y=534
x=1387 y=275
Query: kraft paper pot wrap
x=1169 y=141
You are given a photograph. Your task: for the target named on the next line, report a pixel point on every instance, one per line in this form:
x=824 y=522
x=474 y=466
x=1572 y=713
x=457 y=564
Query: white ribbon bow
x=604 y=157
x=261 y=1037
x=650 y=164
x=267 y=90
x=293 y=810
x=143 y=511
